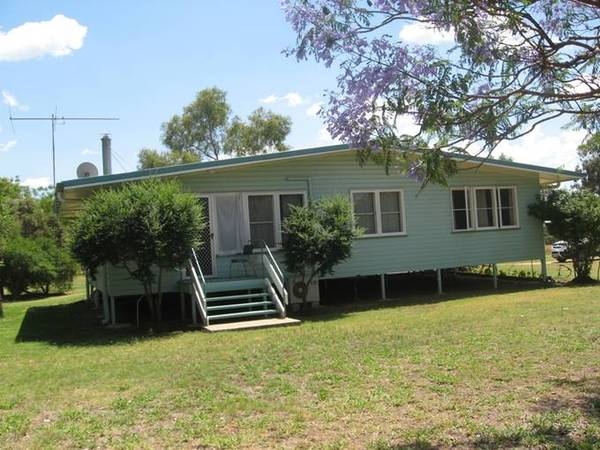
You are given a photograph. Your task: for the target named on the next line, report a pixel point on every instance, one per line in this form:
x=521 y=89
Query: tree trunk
x=159 y=296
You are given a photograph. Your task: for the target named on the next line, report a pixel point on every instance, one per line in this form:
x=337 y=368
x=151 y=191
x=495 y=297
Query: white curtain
x=230 y=227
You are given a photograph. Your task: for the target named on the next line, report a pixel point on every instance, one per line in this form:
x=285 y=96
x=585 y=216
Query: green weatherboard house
x=481 y=218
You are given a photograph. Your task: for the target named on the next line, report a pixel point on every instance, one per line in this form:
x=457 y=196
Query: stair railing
x=275 y=276
x=198 y=284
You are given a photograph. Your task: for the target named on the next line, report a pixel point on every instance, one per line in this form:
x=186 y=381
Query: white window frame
x=276 y=212
x=471 y=191
x=377 y=205
x=467 y=192
x=494 y=207
x=515 y=206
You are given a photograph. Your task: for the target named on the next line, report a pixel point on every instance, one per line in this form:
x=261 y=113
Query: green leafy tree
x=9 y=192
x=573 y=216
x=319 y=237
x=589 y=154
x=206 y=130
x=264 y=132
x=149 y=158
x=501 y=69
x=36 y=263
x=141 y=227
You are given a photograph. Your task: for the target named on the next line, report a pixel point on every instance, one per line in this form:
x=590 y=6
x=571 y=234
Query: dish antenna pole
x=53 y=119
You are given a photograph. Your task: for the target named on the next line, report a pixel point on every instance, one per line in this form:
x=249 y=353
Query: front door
x=205 y=253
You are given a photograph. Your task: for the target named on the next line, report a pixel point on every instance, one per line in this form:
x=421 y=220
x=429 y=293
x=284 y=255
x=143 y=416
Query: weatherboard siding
x=429 y=242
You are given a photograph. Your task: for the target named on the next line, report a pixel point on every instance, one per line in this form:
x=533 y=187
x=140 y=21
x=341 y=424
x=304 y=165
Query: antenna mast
x=53 y=118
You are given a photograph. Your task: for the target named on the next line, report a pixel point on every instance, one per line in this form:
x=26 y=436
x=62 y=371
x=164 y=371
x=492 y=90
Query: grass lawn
x=493 y=370
x=561 y=272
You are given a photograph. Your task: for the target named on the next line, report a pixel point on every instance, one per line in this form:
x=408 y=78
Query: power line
x=53 y=118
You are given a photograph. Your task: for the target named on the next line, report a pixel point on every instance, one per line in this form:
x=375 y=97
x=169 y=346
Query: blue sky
x=144 y=63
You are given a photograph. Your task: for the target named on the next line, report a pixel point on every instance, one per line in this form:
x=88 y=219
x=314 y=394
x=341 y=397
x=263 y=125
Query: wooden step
x=239 y=306
x=250 y=324
x=238 y=315
x=221 y=298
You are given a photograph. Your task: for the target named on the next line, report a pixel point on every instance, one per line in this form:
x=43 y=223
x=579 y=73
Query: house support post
x=113 y=312
x=182 y=303
x=544 y=268
x=194 y=312
x=439 y=281
x=383 y=290
x=495 y=275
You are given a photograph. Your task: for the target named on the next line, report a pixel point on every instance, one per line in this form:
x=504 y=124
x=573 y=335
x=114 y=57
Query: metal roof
x=555 y=175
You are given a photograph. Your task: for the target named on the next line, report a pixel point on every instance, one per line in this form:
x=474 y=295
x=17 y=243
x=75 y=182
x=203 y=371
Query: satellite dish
x=87 y=169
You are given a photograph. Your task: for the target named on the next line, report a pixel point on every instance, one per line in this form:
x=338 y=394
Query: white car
x=560 y=251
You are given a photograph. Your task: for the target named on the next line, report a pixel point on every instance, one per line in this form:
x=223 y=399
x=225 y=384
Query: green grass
x=561 y=272
x=492 y=370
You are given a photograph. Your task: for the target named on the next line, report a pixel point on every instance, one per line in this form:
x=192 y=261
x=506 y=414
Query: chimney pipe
x=106 y=155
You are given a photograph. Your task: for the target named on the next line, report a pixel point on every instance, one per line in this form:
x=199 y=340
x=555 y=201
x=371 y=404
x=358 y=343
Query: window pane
x=506 y=198
x=260 y=208
x=507 y=207
x=364 y=202
x=460 y=220
x=389 y=201
x=287 y=200
x=263 y=232
x=458 y=199
x=391 y=223
x=367 y=223
x=484 y=202
x=508 y=217
x=485 y=217
x=484 y=198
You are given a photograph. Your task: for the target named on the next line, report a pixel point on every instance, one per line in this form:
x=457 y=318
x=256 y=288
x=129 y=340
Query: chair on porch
x=244 y=261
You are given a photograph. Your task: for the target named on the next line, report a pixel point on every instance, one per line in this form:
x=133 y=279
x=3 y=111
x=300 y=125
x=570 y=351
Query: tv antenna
x=53 y=119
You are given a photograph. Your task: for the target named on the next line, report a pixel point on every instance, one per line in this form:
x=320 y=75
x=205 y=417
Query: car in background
x=560 y=251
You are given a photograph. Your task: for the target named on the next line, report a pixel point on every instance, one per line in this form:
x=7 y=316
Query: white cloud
x=10 y=100
x=7 y=146
x=36 y=183
x=544 y=149
x=270 y=99
x=59 y=36
x=89 y=151
x=422 y=33
x=291 y=98
x=314 y=109
x=325 y=137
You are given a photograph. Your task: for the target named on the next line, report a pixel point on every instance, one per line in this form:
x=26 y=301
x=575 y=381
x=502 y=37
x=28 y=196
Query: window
x=266 y=213
x=379 y=212
x=261 y=219
x=461 y=209
x=286 y=201
x=484 y=208
x=507 y=206
x=391 y=212
x=485 y=213
x=364 y=211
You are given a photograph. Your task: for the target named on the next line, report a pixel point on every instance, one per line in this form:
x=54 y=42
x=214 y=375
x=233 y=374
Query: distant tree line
x=206 y=130
x=33 y=253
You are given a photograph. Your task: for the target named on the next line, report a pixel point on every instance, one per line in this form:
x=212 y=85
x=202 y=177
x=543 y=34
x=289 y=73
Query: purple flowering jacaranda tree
x=505 y=67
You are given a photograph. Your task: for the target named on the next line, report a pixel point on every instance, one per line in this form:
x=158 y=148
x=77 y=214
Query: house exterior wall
x=429 y=242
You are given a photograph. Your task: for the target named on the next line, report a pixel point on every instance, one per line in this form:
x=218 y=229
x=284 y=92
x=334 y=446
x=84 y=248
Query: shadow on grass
x=76 y=324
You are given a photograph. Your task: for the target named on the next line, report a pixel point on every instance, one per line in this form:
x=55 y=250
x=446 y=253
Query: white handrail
x=275 y=297
x=198 y=267
x=278 y=282
x=198 y=293
x=273 y=261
